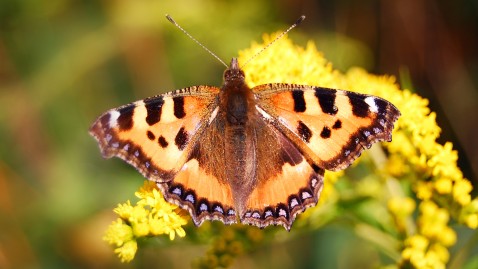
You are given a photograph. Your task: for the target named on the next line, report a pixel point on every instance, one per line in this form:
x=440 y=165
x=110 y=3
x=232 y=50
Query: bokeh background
x=64 y=62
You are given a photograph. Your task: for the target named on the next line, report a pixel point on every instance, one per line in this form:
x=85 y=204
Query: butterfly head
x=234 y=73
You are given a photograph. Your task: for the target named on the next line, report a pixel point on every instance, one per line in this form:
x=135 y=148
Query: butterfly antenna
x=296 y=23
x=194 y=39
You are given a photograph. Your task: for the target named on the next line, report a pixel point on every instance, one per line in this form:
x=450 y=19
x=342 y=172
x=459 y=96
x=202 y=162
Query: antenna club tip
x=301 y=19
x=170 y=19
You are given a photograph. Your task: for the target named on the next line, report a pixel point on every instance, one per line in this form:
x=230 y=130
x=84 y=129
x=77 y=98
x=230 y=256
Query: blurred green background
x=63 y=63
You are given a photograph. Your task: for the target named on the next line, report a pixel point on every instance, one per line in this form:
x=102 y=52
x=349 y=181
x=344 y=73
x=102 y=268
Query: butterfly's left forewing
x=330 y=127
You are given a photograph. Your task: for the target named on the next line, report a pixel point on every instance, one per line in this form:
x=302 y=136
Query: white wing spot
x=114 y=115
x=305 y=195
x=256 y=215
x=294 y=202
x=219 y=209
x=282 y=213
x=371 y=102
x=126 y=147
x=177 y=191
x=190 y=198
x=203 y=207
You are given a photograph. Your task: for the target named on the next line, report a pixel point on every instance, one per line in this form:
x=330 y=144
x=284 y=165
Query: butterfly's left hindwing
x=331 y=127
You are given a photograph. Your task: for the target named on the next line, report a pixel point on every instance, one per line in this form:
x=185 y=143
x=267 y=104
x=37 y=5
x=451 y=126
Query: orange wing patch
x=202 y=194
x=279 y=199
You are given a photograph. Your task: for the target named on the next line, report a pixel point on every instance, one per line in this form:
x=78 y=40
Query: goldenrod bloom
x=151 y=216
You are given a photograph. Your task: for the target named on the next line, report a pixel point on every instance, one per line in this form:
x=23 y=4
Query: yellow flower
x=421 y=254
x=401 y=206
x=461 y=191
x=127 y=251
x=397 y=166
x=151 y=216
x=469 y=214
x=118 y=233
x=417 y=242
x=441 y=252
x=424 y=190
x=443 y=185
x=433 y=224
x=471 y=221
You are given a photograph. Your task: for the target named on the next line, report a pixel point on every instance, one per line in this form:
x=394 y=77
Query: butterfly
x=232 y=153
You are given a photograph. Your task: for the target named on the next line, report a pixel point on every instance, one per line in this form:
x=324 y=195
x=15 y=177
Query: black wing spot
x=179 y=107
x=381 y=105
x=162 y=142
x=325 y=132
x=154 y=107
x=299 y=101
x=181 y=139
x=304 y=132
x=326 y=98
x=359 y=107
x=125 y=119
x=337 y=125
x=150 y=135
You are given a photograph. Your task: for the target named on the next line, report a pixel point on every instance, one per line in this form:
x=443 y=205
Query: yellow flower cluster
x=433 y=172
x=428 y=248
x=420 y=253
x=431 y=167
x=151 y=216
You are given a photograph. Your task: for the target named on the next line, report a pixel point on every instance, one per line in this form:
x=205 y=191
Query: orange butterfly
x=258 y=154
